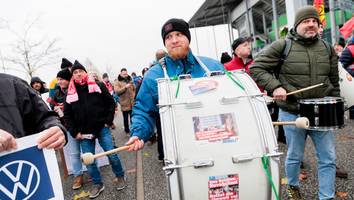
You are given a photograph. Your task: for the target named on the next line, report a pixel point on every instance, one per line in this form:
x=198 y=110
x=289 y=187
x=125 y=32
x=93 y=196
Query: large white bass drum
x=218 y=137
x=346 y=83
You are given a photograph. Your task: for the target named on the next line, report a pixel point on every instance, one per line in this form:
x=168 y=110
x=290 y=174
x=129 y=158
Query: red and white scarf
x=72 y=93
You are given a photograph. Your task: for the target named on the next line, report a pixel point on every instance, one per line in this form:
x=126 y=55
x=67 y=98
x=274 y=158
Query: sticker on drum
x=323 y=113
x=203 y=86
x=223 y=187
x=215 y=128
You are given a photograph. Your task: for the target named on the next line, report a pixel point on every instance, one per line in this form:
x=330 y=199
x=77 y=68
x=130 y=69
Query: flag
x=319 y=5
x=347 y=28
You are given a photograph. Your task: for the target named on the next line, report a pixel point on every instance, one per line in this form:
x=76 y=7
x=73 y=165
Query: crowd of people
x=82 y=108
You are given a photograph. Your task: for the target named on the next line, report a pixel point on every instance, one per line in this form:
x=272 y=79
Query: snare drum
x=323 y=113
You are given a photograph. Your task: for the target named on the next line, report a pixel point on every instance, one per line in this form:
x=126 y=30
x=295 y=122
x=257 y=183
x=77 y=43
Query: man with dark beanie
x=53 y=86
x=58 y=99
x=38 y=85
x=308 y=63
x=179 y=60
x=89 y=111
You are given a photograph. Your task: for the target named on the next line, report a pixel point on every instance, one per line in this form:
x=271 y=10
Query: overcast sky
x=109 y=32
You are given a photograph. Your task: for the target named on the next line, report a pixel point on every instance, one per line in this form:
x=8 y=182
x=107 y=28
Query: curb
x=139 y=176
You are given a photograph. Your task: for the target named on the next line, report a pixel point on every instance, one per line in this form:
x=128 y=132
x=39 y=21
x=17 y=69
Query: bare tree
x=29 y=54
x=90 y=67
x=2 y=63
x=110 y=71
x=3 y=24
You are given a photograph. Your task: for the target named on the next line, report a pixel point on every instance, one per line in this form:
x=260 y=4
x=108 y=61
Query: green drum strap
x=229 y=74
x=265 y=162
x=175 y=78
x=177 y=90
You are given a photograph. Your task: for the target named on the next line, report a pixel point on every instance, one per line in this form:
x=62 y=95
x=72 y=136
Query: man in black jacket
x=89 y=112
x=23 y=113
x=38 y=85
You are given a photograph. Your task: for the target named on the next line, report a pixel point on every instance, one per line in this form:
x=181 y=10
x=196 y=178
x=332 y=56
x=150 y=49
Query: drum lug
x=242 y=158
x=248 y=157
x=193 y=104
x=229 y=100
x=316 y=110
x=203 y=163
x=188 y=104
x=317 y=121
x=170 y=166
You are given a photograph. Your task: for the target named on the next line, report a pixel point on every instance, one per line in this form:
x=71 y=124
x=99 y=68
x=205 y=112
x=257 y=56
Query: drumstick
x=301 y=122
x=304 y=89
x=89 y=158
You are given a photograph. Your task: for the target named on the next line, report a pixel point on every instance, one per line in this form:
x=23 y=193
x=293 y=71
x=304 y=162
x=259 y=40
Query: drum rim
x=325 y=128
x=325 y=100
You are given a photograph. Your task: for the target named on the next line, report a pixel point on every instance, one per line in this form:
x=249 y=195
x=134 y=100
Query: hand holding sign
x=7 y=141
x=51 y=138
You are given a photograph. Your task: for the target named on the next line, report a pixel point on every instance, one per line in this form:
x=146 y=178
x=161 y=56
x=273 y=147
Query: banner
x=347 y=28
x=29 y=173
x=319 y=5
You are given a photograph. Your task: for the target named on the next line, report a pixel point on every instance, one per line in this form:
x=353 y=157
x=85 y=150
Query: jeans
x=106 y=142
x=325 y=151
x=74 y=154
x=126 y=117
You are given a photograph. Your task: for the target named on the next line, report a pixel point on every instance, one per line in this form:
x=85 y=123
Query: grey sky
x=109 y=32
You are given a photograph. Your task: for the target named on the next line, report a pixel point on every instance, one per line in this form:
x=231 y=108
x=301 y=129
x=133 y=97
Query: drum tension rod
x=170 y=167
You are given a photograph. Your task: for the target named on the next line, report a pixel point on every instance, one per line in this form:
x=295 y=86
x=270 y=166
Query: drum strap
x=265 y=162
x=229 y=74
x=162 y=62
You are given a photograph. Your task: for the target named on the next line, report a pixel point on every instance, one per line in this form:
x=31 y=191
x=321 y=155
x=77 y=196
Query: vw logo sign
x=22 y=177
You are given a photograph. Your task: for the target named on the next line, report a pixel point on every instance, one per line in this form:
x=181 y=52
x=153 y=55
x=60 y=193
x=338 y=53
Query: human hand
x=127 y=85
x=279 y=94
x=135 y=143
x=79 y=136
x=7 y=141
x=51 y=138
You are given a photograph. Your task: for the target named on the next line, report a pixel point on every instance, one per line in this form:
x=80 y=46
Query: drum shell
x=323 y=114
x=255 y=137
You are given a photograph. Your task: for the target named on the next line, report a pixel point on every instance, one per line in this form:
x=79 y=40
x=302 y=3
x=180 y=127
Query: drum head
x=324 y=100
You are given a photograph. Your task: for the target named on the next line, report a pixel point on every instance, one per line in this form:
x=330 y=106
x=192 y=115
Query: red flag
x=319 y=5
x=347 y=28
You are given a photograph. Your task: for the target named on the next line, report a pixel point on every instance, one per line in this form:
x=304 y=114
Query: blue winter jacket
x=145 y=109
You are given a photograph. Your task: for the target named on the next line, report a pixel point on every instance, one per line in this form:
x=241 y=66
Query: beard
x=179 y=52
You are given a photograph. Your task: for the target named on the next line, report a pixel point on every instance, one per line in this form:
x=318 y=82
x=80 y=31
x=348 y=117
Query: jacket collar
x=305 y=41
x=184 y=66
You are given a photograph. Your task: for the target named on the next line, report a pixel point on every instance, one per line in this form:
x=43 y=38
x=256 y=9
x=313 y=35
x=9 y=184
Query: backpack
x=286 y=51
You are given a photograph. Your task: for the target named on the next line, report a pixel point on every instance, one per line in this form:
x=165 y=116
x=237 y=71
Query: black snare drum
x=323 y=113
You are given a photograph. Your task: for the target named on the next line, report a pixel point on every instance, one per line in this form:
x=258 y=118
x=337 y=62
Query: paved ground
x=155 y=186
x=129 y=162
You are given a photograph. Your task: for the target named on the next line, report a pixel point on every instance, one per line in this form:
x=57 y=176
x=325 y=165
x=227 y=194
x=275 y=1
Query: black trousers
x=274 y=116
x=127 y=117
x=159 y=139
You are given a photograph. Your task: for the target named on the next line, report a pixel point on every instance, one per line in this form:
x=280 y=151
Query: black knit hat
x=36 y=79
x=105 y=75
x=65 y=63
x=76 y=66
x=64 y=74
x=175 y=25
x=305 y=13
x=239 y=41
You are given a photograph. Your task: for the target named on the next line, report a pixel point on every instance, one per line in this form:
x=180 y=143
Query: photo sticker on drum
x=215 y=128
x=223 y=187
x=203 y=86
